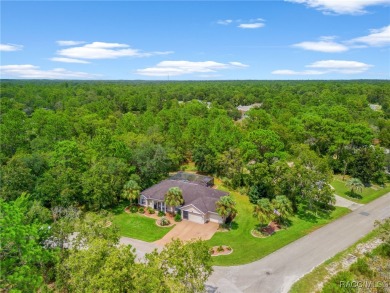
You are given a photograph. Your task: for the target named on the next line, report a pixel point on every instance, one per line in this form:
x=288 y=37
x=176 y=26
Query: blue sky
x=159 y=40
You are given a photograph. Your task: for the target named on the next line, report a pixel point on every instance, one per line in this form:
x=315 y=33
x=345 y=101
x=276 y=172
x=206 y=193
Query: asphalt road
x=278 y=271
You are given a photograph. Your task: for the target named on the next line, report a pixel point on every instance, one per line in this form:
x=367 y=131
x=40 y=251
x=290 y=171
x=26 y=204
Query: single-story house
x=199 y=201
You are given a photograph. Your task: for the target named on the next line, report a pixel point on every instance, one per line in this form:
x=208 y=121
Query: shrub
x=133 y=209
x=151 y=210
x=177 y=218
x=361 y=267
x=333 y=284
x=220 y=248
x=141 y=210
x=164 y=221
x=229 y=248
x=382 y=250
x=211 y=250
x=161 y=214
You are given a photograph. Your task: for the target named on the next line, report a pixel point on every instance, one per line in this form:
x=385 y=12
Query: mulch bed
x=226 y=250
x=266 y=231
x=271 y=228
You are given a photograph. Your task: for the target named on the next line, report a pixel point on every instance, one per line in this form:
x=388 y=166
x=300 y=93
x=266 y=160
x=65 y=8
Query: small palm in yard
x=174 y=197
x=282 y=208
x=226 y=207
x=131 y=191
x=355 y=184
x=263 y=211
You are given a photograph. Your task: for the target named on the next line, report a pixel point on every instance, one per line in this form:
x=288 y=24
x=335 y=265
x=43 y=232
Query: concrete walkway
x=278 y=271
x=343 y=202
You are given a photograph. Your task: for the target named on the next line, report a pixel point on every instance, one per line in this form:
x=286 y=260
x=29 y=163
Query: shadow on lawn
x=353 y=194
x=233 y=225
x=313 y=216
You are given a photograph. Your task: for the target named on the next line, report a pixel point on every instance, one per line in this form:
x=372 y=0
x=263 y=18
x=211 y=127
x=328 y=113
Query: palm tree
x=263 y=211
x=282 y=208
x=174 y=197
x=355 y=184
x=226 y=207
x=131 y=191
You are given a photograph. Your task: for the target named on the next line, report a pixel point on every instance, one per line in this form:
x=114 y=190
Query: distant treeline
x=76 y=142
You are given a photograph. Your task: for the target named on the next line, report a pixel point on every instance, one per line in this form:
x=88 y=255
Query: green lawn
x=248 y=248
x=368 y=194
x=138 y=226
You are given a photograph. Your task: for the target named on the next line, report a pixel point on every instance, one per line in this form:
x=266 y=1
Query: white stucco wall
x=194 y=215
x=214 y=218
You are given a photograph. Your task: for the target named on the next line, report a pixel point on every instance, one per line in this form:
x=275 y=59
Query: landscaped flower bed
x=220 y=250
x=266 y=231
x=164 y=222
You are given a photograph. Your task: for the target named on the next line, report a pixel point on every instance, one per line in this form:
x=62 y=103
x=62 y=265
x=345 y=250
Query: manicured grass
x=248 y=248
x=318 y=275
x=368 y=194
x=138 y=226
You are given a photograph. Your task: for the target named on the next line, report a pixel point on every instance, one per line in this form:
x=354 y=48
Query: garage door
x=215 y=218
x=197 y=218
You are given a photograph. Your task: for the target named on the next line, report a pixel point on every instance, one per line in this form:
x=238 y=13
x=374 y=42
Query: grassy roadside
x=368 y=194
x=310 y=281
x=248 y=248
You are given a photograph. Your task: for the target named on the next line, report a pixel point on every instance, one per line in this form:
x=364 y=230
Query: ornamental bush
x=177 y=218
x=164 y=221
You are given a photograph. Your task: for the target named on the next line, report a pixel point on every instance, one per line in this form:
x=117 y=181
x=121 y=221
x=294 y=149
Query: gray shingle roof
x=194 y=178
x=203 y=198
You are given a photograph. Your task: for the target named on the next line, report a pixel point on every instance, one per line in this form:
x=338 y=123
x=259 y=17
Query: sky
x=195 y=40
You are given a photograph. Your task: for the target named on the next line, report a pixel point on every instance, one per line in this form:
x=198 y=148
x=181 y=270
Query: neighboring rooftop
x=375 y=107
x=202 y=197
x=247 y=108
x=194 y=178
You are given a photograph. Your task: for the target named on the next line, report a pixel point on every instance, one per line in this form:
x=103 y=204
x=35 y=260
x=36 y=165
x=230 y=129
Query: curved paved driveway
x=279 y=270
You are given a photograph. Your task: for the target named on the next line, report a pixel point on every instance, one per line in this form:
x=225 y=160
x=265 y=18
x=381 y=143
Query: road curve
x=278 y=271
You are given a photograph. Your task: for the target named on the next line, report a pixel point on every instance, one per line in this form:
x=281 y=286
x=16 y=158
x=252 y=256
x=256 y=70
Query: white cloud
x=101 y=50
x=174 y=68
x=69 y=43
x=225 y=21
x=238 y=64
x=251 y=25
x=377 y=38
x=248 y=24
x=341 y=66
x=10 y=47
x=68 y=60
x=325 y=44
x=33 y=72
x=341 y=6
x=293 y=72
x=328 y=66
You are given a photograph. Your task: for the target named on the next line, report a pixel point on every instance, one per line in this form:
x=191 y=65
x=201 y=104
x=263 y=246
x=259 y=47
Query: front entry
x=159 y=206
x=185 y=215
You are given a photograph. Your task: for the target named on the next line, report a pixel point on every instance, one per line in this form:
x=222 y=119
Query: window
x=142 y=201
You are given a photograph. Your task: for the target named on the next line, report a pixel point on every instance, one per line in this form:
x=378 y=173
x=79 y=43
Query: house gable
x=191 y=208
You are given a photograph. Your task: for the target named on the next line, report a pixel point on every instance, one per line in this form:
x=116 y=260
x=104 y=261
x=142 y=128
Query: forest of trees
x=73 y=145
